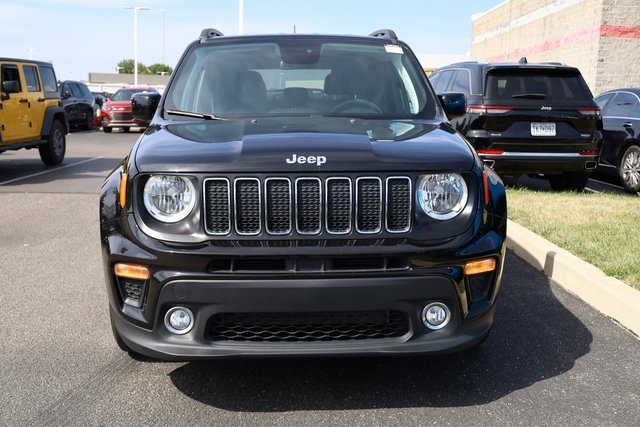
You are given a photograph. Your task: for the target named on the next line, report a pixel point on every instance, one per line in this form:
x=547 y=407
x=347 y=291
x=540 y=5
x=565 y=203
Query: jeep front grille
x=280 y=206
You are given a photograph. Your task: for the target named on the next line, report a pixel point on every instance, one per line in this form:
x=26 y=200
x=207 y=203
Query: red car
x=116 y=112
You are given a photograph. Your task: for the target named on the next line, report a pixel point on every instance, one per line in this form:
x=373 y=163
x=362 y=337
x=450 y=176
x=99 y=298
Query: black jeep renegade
x=300 y=195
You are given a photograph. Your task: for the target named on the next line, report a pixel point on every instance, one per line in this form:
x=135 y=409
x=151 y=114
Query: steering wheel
x=356 y=106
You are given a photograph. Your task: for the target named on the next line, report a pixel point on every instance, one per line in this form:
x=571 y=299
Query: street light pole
x=135 y=41
x=163 y=13
x=240 y=16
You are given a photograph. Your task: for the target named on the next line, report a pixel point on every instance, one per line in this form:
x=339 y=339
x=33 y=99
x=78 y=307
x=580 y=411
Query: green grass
x=602 y=229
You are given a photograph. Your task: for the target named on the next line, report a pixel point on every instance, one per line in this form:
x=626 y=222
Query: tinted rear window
x=509 y=84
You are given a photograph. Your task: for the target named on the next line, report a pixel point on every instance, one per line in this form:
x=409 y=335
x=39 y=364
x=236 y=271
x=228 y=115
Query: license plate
x=543 y=129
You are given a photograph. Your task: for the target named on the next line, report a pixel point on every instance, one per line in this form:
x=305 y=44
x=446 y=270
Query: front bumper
x=121 y=120
x=206 y=298
x=185 y=279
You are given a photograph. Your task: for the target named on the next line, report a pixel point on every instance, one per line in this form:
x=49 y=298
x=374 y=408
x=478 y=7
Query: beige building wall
x=619 y=54
x=600 y=37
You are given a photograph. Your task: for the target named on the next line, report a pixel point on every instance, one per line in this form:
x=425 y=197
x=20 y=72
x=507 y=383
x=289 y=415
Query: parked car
x=620 y=153
x=30 y=112
x=116 y=112
x=299 y=195
x=537 y=119
x=78 y=104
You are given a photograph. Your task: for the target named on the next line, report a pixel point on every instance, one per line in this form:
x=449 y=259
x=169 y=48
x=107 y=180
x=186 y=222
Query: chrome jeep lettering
x=301 y=160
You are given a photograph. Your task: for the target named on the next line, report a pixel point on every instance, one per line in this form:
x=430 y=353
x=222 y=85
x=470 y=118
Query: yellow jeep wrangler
x=31 y=113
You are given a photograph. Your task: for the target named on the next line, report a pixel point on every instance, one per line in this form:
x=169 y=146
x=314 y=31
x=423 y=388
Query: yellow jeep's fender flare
x=51 y=114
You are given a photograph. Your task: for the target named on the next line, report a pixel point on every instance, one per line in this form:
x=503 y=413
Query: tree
x=159 y=69
x=126 y=67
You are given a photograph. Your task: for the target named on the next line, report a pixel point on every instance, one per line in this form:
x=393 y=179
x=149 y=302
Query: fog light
x=436 y=315
x=179 y=320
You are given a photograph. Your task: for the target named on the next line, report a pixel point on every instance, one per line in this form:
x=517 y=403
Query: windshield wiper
x=530 y=95
x=195 y=115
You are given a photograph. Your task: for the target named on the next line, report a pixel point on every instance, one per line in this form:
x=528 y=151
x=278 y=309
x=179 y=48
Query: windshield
x=125 y=94
x=300 y=76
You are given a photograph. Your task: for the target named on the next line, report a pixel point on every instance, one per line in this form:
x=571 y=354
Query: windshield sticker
x=391 y=48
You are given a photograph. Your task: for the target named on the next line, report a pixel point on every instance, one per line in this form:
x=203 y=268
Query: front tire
x=629 y=169
x=52 y=153
x=106 y=130
x=569 y=181
x=126 y=130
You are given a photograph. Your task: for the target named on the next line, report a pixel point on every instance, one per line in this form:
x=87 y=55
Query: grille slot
x=279 y=206
x=247 y=203
x=338 y=205
x=307 y=327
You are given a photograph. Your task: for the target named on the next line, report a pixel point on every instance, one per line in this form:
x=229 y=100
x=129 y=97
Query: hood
x=277 y=145
x=118 y=104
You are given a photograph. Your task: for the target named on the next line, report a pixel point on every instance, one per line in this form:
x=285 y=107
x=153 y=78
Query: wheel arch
x=51 y=114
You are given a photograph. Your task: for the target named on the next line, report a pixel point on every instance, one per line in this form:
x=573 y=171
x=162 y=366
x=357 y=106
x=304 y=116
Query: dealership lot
x=550 y=358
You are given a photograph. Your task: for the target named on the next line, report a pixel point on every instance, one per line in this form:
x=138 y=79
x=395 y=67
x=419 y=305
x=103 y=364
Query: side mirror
x=11 y=86
x=454 y=104
x=144 y=105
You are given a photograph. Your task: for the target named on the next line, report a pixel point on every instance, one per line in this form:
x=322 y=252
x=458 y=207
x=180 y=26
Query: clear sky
x=83 y=36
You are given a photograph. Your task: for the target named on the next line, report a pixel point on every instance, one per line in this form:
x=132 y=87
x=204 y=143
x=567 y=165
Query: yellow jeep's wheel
x=52 y=153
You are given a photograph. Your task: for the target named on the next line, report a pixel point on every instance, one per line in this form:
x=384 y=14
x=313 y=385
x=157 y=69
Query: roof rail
x=389 y=34
x=209 y=33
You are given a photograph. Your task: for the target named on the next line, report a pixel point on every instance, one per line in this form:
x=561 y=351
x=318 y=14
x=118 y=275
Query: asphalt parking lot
x=550 y=360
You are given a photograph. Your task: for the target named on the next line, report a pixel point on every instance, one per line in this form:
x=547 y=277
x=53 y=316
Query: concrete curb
x=606 y=294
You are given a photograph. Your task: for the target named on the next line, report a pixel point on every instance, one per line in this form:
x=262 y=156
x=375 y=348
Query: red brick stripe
x=620 y=31
x=605 y=31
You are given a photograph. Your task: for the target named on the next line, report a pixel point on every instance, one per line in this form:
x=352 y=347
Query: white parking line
x=50 y=170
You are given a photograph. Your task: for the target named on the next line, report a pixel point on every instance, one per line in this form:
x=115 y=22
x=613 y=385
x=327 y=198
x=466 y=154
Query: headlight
x=443 y=195
x=169 y=198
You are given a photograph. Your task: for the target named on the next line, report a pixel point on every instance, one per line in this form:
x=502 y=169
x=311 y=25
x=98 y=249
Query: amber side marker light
x=485 y=184
x=131 y=271
x=479 y=266
x=123 y=190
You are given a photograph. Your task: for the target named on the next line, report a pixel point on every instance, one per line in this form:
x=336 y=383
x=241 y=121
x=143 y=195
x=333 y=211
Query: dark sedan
x=620 y=153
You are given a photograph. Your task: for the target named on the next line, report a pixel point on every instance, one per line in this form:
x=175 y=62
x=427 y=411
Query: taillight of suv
x=488 y=109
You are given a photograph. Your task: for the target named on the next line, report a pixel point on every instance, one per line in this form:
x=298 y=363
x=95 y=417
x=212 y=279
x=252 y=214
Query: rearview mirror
x=454 y=104
x=11 y=86
x=144 y=105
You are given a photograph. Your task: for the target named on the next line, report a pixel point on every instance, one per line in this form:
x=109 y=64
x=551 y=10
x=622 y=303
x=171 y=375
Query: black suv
x=528 y=118
x=300 y=195
x=79 y=104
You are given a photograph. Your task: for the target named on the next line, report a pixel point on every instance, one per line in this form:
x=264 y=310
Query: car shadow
x=534 y=338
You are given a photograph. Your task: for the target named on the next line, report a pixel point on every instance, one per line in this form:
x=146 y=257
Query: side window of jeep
x=10 y=73
x=49 y=82
x=461 y=82
x=31 y=78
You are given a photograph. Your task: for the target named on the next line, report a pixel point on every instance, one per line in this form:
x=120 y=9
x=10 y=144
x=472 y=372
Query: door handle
x=24 y=101
x=41 y=99
x=628 y=125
